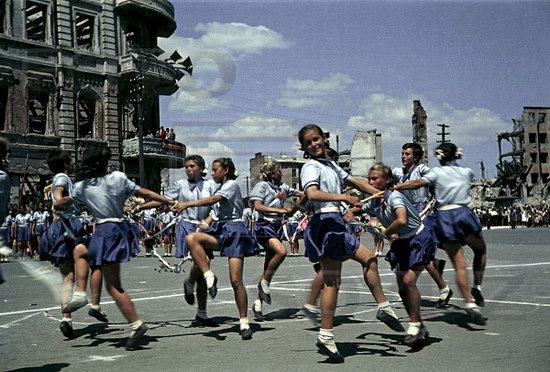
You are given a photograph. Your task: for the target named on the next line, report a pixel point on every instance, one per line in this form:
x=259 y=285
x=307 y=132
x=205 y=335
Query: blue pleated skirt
x=23 y=233
x=455 y=224
x=112 y=242
x=326 y=235
x=405 y=254
x=183 y=229
x=40 y=229
x=57 y=245
x=265 y=230
x=233 y=237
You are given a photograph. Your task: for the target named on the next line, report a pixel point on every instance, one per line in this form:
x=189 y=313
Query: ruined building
x=420 y=129
x=536 y=124
x=366 y=150
x=79 y=73
x=523 y=171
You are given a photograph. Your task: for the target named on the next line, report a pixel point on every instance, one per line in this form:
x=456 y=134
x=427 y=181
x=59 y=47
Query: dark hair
x=58 y=161
x=94 y=163
x=197 y=159
x=418 y=152
x=228 y=164
x=306 y=129
x=329 y=152
x=447 y=152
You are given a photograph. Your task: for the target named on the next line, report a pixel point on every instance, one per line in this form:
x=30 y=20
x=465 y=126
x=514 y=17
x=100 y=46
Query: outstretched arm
x=211 y=200
x=409 y=185
x=150 y=195
x=361 y=184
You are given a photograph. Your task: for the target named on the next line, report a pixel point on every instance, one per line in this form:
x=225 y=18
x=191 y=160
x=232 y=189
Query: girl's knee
x=236 y=283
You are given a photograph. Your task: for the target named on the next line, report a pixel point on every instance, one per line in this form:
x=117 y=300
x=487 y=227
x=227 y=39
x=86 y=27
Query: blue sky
x=263 y=69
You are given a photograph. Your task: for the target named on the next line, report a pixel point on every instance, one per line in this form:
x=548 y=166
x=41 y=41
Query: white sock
x=202 y=314
x=67 y=319
x=209 y=278
x=95 y=307
x=258 y=305
x=443 y=293
x=312 y=308
x=478 y=287
x=470 y=305
x=326 y=334
x=383 y=304
x=414 y=328
x=265 y=286
x=135 y=325
x=244 y=323
x=77 y=295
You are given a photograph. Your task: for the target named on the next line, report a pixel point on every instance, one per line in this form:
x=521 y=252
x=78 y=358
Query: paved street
x=516 y=338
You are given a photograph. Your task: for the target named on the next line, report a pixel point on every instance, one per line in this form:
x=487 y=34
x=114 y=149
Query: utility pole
x=247 y=186
x=443 y=133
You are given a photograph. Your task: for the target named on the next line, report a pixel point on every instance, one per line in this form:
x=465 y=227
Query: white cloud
x=309 y=93
x=240 y=39
x=214 y=55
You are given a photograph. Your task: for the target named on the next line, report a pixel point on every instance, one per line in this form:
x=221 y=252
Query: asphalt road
x=516 y=337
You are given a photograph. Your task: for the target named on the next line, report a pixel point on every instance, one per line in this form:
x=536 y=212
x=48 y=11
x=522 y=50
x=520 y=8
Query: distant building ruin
x=366 y=150
x=420 y=129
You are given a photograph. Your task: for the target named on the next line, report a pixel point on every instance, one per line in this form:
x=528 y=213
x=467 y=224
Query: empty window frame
x=533 y=156
x=36 y=17
x=86 y=117
x=38 y=107
x=542 y=117
x=3 y=105
x=85 y=30
x=532 y=138
x=543 y=157
x=542 y=138
x=3 y=16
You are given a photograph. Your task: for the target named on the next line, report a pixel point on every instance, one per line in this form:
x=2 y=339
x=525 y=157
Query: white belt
x=99 y=221
x=192 y=221
x=272 y=219
x=327 y=210
x=237 y=220
x=449 y=207
x=410 y=235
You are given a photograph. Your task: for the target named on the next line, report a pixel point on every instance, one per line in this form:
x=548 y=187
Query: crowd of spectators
x=526 y=216
x=165 y=134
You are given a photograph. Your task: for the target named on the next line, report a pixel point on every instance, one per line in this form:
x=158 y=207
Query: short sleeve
x=310 y=175
x=431 y=177
x=259 y=191
x=228 y=190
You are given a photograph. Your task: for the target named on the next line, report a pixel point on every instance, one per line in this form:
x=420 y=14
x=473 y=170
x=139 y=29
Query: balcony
x=161 y=13
x=157 y=72
x=156 y=151
x=29 y=152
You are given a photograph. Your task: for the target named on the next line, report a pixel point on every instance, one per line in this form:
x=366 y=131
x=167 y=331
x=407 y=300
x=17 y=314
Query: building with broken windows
x=80 y=73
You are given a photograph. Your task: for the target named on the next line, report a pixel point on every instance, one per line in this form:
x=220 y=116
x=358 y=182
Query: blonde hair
x=384 y=170
x=268 y=169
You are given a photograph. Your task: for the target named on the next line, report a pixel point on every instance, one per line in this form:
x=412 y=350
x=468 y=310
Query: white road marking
x=8 y=325
x=96 y=358
x=275 y=284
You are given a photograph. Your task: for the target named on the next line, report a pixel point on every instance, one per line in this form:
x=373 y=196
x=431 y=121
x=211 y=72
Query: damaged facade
x=68 y=75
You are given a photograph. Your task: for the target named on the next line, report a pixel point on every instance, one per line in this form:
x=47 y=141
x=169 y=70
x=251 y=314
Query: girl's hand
x=393 y=237
x=352 y=200
x=179 y=206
